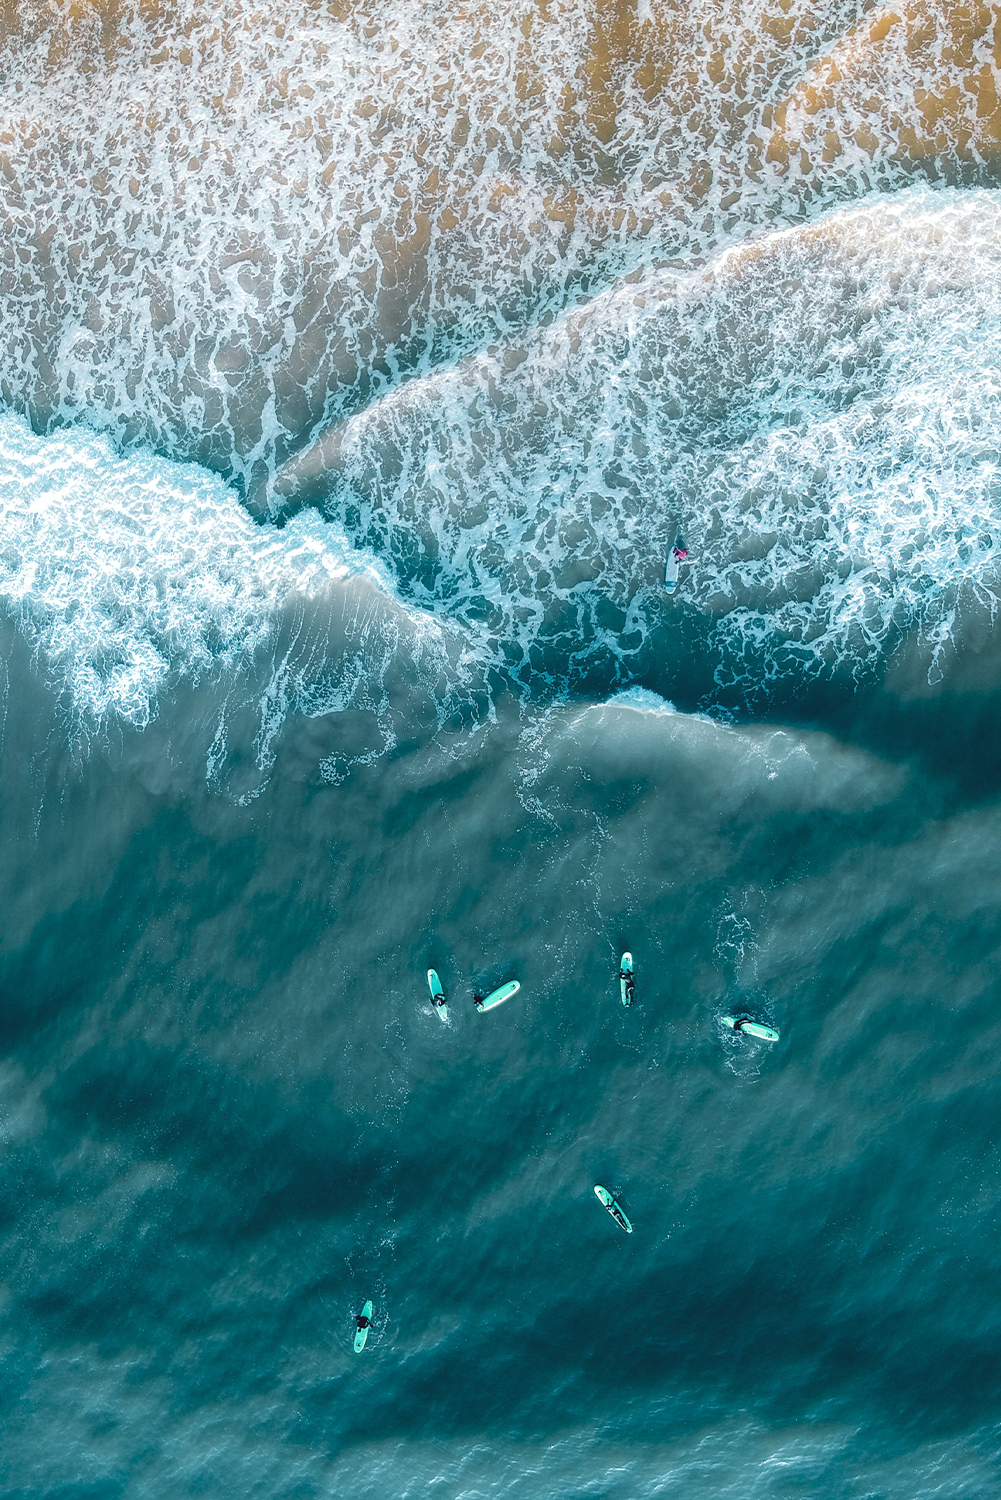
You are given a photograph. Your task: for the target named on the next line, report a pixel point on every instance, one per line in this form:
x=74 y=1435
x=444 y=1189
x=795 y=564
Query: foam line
x=815 y=411
x=126 y=571
x=228 y=226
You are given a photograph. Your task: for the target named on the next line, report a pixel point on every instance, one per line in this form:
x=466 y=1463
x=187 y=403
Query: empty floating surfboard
x=498 y=996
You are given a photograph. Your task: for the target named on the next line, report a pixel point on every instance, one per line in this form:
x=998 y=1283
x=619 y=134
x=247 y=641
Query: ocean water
x=359 y=366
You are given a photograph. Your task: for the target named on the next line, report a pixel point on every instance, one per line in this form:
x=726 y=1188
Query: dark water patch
x=252 y=1120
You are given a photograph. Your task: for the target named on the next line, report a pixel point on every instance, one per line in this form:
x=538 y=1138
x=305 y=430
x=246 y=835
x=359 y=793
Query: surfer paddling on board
x=746 y=1025
x=627 y=978
x=676 y=559
x=363 y=1322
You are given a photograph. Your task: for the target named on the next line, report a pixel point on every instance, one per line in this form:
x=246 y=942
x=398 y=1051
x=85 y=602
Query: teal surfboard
x=752 y=1028
x=614 y=1207
x=364 y=1322
x=437 y=994
x=627 y=984
x=499 y=995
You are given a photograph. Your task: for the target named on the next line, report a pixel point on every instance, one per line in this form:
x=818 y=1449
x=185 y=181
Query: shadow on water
x=952 y=736
x=765 y=1323
x=178 y=1014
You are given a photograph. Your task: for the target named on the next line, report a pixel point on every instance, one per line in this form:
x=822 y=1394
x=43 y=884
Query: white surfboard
x=498 y=996
x=675 y=562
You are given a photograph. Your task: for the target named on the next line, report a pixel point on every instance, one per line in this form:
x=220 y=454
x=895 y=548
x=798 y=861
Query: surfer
x=747 y=1026
x=626 y=977
x=478 y=1001
x=437 y=995
x=676 y=559
x=363 y=1322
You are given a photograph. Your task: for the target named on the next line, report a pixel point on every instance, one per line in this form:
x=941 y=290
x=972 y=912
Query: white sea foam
x=125 y=571
x=644 y=700
x=817 y=411
x=228 y=224
x=259 y=225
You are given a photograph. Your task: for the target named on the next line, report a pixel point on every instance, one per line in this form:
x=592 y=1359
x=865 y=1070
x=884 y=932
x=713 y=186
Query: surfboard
x=752 y=1028
x=614 y=1207
x=499 y=995
x=437 y=994
x=626 y=982
x=362 y=1333
x=674 y=563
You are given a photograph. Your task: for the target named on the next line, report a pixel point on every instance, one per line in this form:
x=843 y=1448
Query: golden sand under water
x=431 y=157
x=918 y=80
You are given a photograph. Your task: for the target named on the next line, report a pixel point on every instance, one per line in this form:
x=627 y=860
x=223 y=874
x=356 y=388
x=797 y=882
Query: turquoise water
x=335 y=647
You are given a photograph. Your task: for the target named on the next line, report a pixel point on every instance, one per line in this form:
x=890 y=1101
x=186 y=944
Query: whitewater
x=359 y=368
